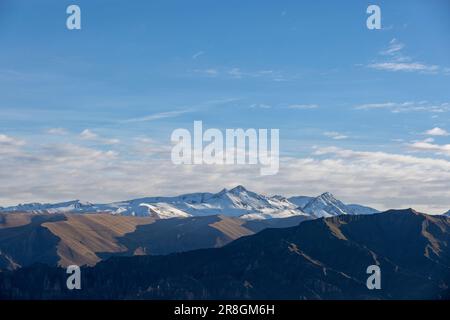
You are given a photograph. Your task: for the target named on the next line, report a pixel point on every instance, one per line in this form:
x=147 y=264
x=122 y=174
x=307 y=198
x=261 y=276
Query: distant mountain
x=447 y=213
x=359 y=209
x=319 y=259
x=326 y=205
x=237 y=202
x=65 y=239
x=61 y=207
x=300 y=201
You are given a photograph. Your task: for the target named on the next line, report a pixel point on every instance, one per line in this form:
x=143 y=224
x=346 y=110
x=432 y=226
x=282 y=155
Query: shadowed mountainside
x=319 y=259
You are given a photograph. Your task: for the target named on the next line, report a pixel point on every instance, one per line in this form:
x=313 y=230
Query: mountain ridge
x=324 y=258
x=86 y=239
x=235 y=202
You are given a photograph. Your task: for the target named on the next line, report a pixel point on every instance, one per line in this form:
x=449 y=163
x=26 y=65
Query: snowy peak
x=235 y=202
x=241 y=202
x=300 y=201
x=241 y=195
x=238 y=189
x=327 y=197
x=60 y=207
x=326 y=205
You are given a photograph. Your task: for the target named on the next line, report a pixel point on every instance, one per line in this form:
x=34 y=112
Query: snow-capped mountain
x=447 y=213
x=300 y=201
x=236 y=202
x=70 y=206
x=326 y=205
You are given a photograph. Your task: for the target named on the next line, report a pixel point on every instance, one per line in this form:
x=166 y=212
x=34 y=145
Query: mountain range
x=325 y=258
x=62 y=234
x=236 y=202
x=86 y=239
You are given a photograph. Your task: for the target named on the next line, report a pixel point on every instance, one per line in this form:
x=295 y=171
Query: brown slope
x=233 y=228
x=83 y=236
x=86 y=239
x=11 y=220
x=89 y=238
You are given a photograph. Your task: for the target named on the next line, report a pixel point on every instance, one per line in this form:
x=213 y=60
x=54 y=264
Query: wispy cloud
x=303 y=106
x=57 y=131
x=260 y=106
x=393 y=49
x=10 y=141
x=395 y=60
x=89 y=135
x=238 y=73
x=10 y=147
x=335 y=135
x=405 y=66
x=197 y=54
x=149 y=147
x=408 y=106
x=283 y=106
x=160 y=115
x=431 y=147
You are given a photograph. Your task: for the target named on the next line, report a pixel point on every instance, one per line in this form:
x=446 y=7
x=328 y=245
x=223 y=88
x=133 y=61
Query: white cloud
x=394 y=47
x=87 y=134
x=303 y=106
x=238 y=73
x=397 y=61
x=158 y=116
x=437 y=132
x=72 y=152
x=260 y=106
x=149 y=147
x=57 y=131
x=335 y=135
x=63 y=172
x=404 y=66
x=10 y=141
x=209 y=72
x=408 y=106
x=392 y=180
x=431 y=147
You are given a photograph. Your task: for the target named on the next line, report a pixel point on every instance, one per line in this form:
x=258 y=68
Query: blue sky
x=356 y=102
